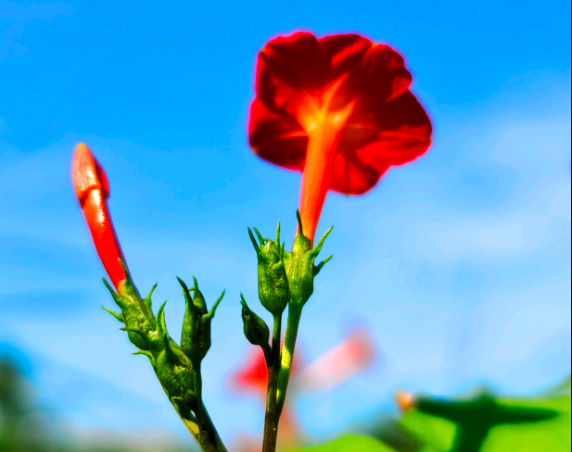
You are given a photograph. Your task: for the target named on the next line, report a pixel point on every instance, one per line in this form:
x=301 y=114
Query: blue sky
x=459 y=263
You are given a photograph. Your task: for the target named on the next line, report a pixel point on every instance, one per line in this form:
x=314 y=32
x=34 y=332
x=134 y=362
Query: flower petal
x=344 y=54
x=384 y=77
x=278 y=139
x=289 y=68
x=394 y=133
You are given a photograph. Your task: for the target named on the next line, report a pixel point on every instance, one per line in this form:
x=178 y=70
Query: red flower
x=92 y=190
x=337 y=108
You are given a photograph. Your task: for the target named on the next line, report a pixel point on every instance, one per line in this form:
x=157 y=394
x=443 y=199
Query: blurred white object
x=351 y=357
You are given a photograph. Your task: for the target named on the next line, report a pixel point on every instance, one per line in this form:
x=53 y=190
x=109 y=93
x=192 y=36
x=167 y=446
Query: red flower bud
x=338 y=109
x=92 y=190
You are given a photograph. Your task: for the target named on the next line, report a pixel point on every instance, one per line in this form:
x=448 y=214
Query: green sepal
x=117 y=315
x=136 y=313
x=196 y=335
x=148 y=297
x=273 y=289
x=255 y=329
x=299 y=264
x=210 y=315
x=147 y=354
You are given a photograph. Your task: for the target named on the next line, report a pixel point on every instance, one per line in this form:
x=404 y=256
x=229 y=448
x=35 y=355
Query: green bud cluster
x=176 y=366
x=284 y=278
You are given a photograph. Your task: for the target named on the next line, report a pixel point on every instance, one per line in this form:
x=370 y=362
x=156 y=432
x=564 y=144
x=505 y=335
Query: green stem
x=208 y=438
x=207 y=435
x=293 y=324
x=272 y=412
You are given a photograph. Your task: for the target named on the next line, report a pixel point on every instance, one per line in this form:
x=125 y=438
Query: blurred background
x=457 y=266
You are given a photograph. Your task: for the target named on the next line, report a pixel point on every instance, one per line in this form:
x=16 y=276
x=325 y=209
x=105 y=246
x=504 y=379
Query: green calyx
x=255 y=329
x=273 y=289
x=136 y=313
x=196 y=336
x=299 y=265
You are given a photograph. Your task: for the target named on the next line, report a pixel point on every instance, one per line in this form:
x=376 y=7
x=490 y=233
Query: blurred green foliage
x=16 y=413
x=485 y=423
x=26 y=428
x=481 y=423
x=350 y=443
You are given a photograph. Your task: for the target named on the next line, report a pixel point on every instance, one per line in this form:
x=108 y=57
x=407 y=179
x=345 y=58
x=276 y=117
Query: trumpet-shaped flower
x=337 y=108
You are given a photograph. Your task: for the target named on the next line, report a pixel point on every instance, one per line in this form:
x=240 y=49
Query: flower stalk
x=288 y=351
x=291 y=284
x=273 y=412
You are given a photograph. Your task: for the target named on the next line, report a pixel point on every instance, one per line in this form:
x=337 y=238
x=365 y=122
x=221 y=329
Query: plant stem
x=207 y=436
x=272 y=413
x=293 y=324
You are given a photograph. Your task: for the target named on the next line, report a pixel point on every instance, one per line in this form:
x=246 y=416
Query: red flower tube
x=92 y=190
x=338 y=109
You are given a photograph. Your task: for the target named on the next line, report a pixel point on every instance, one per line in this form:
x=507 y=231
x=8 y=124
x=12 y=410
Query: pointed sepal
x=117 y=315
x=299 y=264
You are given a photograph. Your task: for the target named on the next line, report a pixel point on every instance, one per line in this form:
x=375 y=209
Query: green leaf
x=552 y=435
x=488 y=424
x=435 y=433
x=349 y=443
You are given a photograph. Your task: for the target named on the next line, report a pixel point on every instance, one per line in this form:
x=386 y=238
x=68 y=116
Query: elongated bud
x=92 y=190
x=273 y=288
x=255 y=329
x=196 y=336
x=299 y=265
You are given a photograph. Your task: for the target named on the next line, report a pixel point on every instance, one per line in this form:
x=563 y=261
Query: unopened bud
x=273 y=288
x=196 y=335
x=255 y=329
